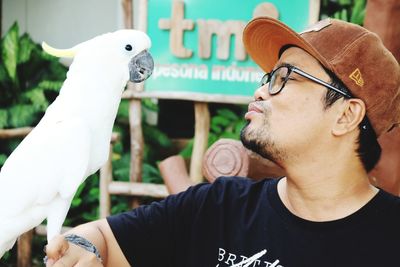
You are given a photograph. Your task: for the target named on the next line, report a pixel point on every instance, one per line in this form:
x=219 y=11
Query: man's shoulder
x=389 y=200
x=239 y=183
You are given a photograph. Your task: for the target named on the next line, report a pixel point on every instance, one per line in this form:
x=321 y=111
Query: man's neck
x=324 y=196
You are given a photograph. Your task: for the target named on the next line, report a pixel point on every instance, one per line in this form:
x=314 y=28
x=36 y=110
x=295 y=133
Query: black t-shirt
x=239 y=222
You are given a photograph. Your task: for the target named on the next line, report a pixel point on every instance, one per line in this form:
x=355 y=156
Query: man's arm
x=61 y=253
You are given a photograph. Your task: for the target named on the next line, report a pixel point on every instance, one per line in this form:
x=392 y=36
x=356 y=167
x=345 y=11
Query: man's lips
x=253 y=109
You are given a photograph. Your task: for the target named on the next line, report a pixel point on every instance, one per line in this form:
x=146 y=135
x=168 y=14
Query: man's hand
x=61 y=253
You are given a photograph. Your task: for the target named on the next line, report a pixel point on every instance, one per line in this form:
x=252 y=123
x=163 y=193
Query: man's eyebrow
x=284 y=64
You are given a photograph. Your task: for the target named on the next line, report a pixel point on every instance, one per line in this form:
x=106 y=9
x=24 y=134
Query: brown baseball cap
x=356 y=56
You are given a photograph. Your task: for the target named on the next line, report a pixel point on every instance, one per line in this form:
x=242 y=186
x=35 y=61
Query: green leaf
x=215 y=128
x=120 y=207
x=9 y=51
x=21 y=115
x=44 y=56
x=187 y=150
x=344 y=2
x=220 y=120
x=76 y=202
x=37 y=98
x=212 y=139
x=121 y=174
x=149 y=104
x=3 y=74
x=94 y=193
x=155 y=136
x=123 y=109
x=228 y=114
x=26 y=45
x=344 y=15
x=90 y=216
x=358 y=12
x=3 y=158
x=51 y=85
x=3 y=118
x=229 y=135
x=239 y=126
x=151 y=174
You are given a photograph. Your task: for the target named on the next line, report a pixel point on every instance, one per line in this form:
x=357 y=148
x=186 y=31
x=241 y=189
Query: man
x=328 y=94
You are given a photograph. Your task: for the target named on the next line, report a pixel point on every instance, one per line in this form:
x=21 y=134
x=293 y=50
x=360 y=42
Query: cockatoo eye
x=128 y=47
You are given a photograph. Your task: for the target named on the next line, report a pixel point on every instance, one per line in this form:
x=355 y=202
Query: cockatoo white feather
x=71 y=141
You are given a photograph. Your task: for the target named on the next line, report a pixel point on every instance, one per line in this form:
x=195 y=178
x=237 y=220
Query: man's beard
x=260 y=142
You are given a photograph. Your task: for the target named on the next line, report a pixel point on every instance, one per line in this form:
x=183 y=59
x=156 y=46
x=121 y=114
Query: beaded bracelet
x=81 y=242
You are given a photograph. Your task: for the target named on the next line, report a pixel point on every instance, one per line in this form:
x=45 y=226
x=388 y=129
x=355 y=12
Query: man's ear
x=350 y=116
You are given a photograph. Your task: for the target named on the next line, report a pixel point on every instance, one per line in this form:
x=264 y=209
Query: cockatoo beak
x=141 y=67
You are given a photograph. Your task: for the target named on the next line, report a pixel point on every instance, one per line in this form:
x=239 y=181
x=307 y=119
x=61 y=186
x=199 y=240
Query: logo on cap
x=357 y=78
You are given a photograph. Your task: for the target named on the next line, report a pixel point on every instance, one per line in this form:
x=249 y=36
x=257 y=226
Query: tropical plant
x=29 y=80
x=226 y=123
x=348 y=10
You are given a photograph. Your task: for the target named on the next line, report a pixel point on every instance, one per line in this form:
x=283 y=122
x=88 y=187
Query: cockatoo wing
x=50 y=161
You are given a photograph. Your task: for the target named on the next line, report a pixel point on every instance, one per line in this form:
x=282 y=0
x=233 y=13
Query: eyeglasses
x=278 y=78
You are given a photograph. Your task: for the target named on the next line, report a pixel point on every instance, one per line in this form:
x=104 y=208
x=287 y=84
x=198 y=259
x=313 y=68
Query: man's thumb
x=56 y=248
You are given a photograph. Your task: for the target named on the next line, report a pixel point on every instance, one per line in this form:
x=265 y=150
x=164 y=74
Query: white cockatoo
x=72 y=140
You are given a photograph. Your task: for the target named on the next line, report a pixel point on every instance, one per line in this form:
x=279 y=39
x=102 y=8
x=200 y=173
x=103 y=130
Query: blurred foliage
x=30 y=80
x=348 y=10
x=224 y=124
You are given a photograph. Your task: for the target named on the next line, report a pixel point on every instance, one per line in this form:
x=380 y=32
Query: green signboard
x=197 y=45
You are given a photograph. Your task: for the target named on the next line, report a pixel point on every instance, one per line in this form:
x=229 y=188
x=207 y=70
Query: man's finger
x=56 y=247
x=68 y=259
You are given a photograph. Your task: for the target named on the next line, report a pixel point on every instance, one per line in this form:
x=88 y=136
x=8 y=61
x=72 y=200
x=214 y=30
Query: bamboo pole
x=135 y=111
x=24 y=250
x=127 y=10
x=314 y=7
x=105 y=180
x=15 y=133
x=202 y=127
x=137 y=143
x=138 y=189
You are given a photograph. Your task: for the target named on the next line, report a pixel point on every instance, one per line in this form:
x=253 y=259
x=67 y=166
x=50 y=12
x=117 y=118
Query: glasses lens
x=264 y=79
x=278 y=79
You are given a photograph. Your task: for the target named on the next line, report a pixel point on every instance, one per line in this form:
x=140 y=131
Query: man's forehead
x=297 y=57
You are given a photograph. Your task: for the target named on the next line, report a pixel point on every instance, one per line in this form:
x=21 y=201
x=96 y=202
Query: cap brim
x=264 y=37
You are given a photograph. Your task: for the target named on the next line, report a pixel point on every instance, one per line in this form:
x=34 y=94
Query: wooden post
x=201 y=129
x=137 y=143
x=142 y=18
x=135 y=112
x=173 y=171
x=105 y=180
x=127 y=9
x=24 y=250
x=314 y=11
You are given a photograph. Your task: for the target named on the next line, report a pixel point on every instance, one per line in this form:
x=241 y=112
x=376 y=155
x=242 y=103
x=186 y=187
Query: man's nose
x=261 y=93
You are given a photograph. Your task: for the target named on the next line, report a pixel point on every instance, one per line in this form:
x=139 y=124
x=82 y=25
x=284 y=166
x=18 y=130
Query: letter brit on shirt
x=228 y=259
